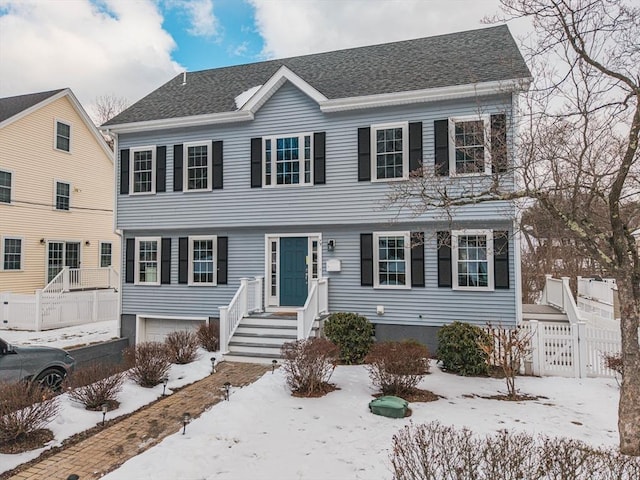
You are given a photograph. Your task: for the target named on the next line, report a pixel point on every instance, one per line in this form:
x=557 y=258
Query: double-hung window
x=197 y=174
x=202 y=260
x=63 y=196
x=469 y=151
x=11 y=253
x=392 y=259
x=147 y=261
x=390 y=147
x=63 y=136
x=472 y=255
x=288 y=160
x=143 y=170
x=106 y=249
x=6 y=178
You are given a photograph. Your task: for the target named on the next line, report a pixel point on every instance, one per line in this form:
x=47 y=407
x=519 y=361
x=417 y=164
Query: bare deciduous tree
x=105 y=108
x=577 y=157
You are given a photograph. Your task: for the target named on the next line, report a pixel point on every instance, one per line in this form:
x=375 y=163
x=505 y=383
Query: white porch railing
x=557 y=293
x=92 y=278
x=248 y=298
x=317 y=303
x=598 y=290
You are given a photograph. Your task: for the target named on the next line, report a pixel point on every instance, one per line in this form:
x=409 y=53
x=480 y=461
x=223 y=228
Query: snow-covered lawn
x=265 y=433
x=64 y=337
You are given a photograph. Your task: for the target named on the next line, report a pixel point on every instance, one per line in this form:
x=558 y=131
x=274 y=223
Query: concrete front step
x=269 y=338
x=252 y=348
x=251 y=358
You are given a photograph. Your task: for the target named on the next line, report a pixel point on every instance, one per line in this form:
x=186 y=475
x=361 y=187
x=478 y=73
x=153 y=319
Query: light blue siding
x=341 y=209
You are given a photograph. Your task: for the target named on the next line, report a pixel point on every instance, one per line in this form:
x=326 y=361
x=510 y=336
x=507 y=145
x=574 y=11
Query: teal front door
x=293 y=271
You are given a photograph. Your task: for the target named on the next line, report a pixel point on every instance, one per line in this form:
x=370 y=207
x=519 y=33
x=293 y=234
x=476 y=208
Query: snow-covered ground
x=264 y=433
x=64 y=337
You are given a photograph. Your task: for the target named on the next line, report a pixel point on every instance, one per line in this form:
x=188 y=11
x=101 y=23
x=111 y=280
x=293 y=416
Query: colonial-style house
x=56 y=192
x=257 y=194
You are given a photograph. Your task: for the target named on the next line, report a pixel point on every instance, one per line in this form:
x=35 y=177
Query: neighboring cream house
x=56 y=191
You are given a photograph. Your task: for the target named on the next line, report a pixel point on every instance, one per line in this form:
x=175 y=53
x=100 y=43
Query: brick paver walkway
x=110 y=448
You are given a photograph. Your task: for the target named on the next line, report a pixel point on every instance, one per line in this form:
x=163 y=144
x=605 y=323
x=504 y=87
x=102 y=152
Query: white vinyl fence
x=30 y=312
x=571 y=350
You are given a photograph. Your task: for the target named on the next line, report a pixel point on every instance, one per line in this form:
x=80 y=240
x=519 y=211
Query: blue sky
x=128 y=48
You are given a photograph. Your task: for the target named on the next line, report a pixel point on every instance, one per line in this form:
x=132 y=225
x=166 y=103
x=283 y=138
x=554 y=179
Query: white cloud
x=203 y=22
x=111 y=47
x=295 y=27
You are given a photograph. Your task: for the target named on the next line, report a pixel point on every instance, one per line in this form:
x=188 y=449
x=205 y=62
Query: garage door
x=156 y=329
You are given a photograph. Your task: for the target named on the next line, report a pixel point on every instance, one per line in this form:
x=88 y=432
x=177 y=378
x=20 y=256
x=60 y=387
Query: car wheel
x=51 y=379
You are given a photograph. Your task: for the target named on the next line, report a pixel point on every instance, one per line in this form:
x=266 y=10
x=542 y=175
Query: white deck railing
x=316 y=304
x=93 y=278
x=598 y=290
x=247 y=299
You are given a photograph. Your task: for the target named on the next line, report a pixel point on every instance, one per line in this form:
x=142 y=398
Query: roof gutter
x=181 y=122
x=426 y=95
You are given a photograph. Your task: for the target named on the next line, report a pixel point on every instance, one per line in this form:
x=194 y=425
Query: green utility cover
x=389 y=406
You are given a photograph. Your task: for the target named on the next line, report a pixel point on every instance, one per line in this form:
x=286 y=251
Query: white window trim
x=55 y=194
x=407 y=260
x=104 y=242
x=454 y=259
x=214 y=240
x=11 y=185
x=2 y=252
x=136 y=278
x=132 y=151
x=273 y=139
x=405 y=150
x=185 y=167
x=487 y=144
x=55 y=135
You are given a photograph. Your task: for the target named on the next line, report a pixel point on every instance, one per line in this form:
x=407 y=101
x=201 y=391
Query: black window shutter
x=415 y=146
x=366 y=259
x=256 y=162
x=444 y=259
x=183 y=260
x=499 y=158
x=319 y=161
x=222 y=260
x=364 y=154
x=177 y=168
x=501 y=259
x=441 y=132
x=130 y=260
x=417 y=259
x=124 y=171
x=216 y=155
x=161 y=169
x=165 y=265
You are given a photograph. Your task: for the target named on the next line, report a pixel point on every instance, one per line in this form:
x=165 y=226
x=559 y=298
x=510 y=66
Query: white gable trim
x=274 y=83
x=423 y=96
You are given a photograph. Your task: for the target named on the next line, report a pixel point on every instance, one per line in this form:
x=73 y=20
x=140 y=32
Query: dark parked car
x=45 y=365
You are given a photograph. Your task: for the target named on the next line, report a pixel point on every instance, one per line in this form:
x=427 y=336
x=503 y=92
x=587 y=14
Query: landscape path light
x=105 y=409
x=165 y=380
x=186 y=418
x=213 y=364
x=274 y=364
x=227 y=387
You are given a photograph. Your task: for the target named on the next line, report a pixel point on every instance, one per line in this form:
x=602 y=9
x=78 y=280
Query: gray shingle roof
x=10 y=106
x=484 y=55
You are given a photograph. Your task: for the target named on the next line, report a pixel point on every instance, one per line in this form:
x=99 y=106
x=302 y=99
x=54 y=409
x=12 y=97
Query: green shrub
x=460 y=351
x=396 y=368
x=352 y=333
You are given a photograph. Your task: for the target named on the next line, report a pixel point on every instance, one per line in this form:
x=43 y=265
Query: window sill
x=392 y=287
x=473 y=289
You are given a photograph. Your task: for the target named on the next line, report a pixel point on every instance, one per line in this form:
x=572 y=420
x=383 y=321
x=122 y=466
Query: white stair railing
x=557 y=293
x=317 y=303
x=248 y=298
x=49 y=299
